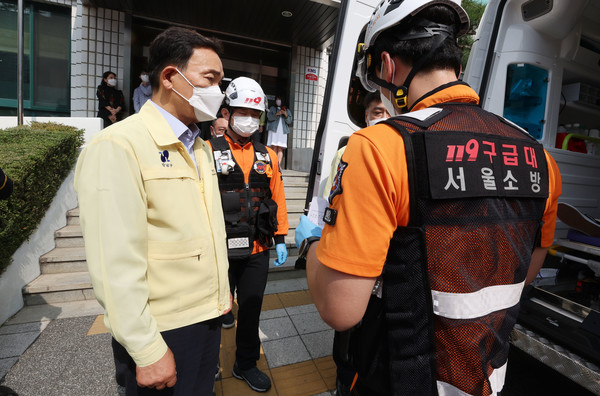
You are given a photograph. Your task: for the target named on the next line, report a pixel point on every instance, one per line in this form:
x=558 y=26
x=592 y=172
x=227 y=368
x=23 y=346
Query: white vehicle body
x=558 y=40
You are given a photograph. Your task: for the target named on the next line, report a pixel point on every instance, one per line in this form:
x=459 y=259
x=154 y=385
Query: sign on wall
x=311 y=73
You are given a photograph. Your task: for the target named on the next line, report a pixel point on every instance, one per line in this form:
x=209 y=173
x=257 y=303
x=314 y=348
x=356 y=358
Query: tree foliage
x=474 y=9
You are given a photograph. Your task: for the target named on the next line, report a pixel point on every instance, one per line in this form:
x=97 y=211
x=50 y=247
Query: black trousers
x=196 y=351
x=249 y=278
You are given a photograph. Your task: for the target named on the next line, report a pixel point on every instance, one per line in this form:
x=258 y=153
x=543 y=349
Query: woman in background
x=279 y=119
x=110 y=100
x=143 y=92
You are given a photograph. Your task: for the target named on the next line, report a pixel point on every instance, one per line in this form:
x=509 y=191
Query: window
x=46 y=60
x=525 y=97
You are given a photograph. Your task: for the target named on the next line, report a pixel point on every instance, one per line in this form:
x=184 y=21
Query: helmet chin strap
x=401 y=92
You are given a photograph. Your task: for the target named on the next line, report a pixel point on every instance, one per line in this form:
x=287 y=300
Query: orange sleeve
x=371 y=200
x=555 y=189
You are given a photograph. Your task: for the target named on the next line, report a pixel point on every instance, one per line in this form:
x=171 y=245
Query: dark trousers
x=248 y=277
x=196 y=351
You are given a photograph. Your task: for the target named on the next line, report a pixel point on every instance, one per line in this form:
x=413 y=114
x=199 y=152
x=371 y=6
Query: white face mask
x=112 y=82
x=205 y=101
x=387 y=103
x=245 y=125
x=145 y=78
x=278 y=103
x=375 y=121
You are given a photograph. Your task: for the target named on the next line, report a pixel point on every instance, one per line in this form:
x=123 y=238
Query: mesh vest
x=241 y=201
x=453 y=277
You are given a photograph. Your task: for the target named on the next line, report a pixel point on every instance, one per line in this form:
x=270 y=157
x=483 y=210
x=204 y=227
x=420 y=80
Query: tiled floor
x=296 y=345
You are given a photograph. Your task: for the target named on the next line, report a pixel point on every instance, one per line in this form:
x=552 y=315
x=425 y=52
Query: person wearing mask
x=463 y=205
x=110 y=100
x=6 y=185
x=279 y=120
x=374 y=112
x=143 y=92
x=153 y=225
x=218 y=127
x=255 y=211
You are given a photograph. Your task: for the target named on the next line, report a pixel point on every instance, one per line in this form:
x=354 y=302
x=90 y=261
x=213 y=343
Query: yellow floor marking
x=98 y=326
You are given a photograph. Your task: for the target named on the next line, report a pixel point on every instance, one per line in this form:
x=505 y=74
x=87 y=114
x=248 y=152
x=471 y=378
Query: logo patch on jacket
x=164 y=158
x=336 y=187
x=260 y=167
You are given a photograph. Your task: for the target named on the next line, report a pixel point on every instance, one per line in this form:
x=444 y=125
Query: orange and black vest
x=452 y=280
x=241 y=201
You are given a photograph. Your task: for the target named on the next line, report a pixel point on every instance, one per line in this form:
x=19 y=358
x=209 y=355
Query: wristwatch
x=305 y=245
x=301 y=260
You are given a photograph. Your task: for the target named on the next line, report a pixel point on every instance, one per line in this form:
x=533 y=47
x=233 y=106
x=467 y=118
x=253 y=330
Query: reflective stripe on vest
x=474 y=305
x=496 y=382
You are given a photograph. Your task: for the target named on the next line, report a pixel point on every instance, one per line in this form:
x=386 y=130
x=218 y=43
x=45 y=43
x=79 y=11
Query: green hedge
x=37 y=158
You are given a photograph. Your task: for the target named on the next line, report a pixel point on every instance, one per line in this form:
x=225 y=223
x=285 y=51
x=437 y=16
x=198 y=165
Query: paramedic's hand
x=306 y=229
x=282 y=254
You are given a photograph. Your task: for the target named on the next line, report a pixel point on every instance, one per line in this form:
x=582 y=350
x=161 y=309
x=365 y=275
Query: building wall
x=308 y=95
x=307 y=105
x=98 y=45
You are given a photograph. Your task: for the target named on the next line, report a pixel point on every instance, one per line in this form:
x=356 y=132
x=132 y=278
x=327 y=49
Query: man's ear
x=166 y=75
x=388 y=67
x=225 y=113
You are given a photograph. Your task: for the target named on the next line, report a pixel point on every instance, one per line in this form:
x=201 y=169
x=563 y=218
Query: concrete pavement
x=64 y=349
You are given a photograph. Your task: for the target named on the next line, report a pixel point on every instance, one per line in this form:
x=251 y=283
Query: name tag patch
x=476 y=165
x=238 y=243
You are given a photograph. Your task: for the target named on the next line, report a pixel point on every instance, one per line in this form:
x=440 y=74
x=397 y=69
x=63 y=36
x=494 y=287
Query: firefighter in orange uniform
x=438 y=217
x=255 y=214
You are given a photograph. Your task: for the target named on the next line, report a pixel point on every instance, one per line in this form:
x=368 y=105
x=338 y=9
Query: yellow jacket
x=154 y=232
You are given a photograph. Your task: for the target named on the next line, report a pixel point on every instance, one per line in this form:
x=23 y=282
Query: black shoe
x=228 y=320
x=256 y=379
x=572 y=217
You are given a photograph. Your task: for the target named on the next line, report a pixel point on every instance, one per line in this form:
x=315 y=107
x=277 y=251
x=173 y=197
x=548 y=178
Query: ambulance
x=537 y=63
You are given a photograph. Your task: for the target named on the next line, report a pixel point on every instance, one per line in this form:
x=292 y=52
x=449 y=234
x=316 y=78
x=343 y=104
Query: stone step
x=70 y=236
x=73 y=216
x=295 y=190
x=294 y=173
x=55 y=288
x=295 y=196
x=63 y=259
x=295 y=207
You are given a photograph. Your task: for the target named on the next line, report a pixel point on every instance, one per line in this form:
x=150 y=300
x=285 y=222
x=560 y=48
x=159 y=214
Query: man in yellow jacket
x=153 y=225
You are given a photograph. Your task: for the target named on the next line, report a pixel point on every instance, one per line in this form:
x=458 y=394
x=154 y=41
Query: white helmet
x=390 y=13
x=245 y=92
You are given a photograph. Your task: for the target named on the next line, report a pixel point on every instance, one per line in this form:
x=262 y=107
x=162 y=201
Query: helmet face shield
x=362 y=72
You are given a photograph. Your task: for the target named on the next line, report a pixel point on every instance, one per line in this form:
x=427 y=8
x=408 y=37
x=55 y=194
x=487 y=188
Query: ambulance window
x=356 y=92
x=525 y=97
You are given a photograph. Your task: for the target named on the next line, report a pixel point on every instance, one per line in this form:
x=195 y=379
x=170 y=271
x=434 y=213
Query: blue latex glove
x=306 y=229
x=281 y=254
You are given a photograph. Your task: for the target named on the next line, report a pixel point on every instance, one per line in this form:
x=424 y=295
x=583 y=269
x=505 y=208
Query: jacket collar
x=157 y=125
x=456 y=91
